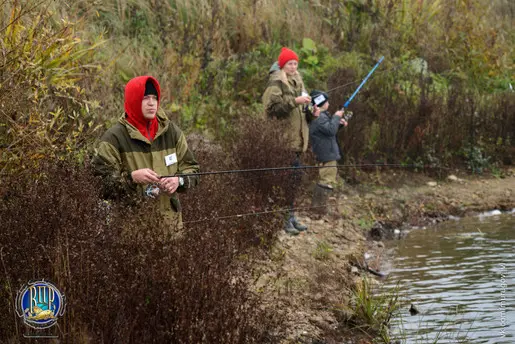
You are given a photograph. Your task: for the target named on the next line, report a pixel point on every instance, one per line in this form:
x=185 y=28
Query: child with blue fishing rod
x=323 y=133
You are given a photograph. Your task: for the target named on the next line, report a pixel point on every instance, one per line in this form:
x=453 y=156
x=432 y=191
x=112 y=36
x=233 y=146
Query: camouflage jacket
x=279 y=102
x=123 y=149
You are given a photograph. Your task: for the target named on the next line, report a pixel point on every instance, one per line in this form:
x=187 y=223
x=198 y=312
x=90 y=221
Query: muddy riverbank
x=309 y=278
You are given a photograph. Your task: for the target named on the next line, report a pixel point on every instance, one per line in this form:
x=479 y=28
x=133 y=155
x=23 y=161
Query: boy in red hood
x=141 y=147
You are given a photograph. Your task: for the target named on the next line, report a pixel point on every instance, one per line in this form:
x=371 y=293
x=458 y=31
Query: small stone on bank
x=452 y=178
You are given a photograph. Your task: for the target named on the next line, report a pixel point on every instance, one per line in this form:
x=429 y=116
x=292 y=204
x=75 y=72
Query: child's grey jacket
x=322 y=132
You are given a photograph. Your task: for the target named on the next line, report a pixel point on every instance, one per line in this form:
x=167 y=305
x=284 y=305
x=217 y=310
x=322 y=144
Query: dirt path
x=309 y=278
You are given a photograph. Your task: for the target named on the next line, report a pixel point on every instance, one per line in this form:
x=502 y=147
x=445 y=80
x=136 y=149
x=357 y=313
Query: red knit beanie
x=285 y=56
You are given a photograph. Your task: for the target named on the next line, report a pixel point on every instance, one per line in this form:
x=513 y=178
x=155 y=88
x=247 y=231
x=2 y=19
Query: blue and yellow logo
x=40 y=304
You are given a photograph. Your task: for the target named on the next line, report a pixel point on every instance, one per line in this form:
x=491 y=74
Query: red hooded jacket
x=134 y=92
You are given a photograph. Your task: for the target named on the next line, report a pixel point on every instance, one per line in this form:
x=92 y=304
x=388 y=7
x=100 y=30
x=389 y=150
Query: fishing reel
x=152 y=191
x=309 y=109
x=347 y=115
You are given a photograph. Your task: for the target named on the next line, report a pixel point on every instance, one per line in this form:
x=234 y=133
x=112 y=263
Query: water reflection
x=461 y=276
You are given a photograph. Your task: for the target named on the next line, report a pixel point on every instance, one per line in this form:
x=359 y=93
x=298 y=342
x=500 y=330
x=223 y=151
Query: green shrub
x=476 y=160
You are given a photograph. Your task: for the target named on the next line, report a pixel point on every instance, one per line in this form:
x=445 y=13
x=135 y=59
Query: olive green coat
x=279 y=102
x=123 y=149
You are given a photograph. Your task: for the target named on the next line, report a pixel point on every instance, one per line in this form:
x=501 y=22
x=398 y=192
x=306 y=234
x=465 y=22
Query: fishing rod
x=357 y=81
x=246 y=171
x=346 y=105
x=348 y=115
x=286 y=168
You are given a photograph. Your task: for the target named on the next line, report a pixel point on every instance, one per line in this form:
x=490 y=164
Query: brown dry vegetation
x=125 y=282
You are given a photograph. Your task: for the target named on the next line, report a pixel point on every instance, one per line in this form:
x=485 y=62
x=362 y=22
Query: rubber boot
x=297 y=225
x=320 y=196
x=289 y=228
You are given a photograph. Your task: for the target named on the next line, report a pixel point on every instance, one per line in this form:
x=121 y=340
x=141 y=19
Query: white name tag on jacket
x=170 y=159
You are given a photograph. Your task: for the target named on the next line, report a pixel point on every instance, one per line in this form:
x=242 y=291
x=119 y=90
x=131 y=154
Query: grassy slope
x=441 y=92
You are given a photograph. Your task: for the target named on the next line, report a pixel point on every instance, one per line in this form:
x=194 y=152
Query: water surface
x=461 y=276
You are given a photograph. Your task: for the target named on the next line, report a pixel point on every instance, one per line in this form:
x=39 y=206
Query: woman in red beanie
x=284 y=98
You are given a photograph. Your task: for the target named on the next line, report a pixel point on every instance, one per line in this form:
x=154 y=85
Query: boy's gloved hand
x=344 y=117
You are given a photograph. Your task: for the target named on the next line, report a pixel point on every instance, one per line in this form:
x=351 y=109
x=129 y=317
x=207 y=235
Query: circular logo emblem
x=40 y=304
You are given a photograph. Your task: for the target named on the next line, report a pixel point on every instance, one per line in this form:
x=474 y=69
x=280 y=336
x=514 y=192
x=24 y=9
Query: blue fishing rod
x=308 y=108
x=346 y=105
